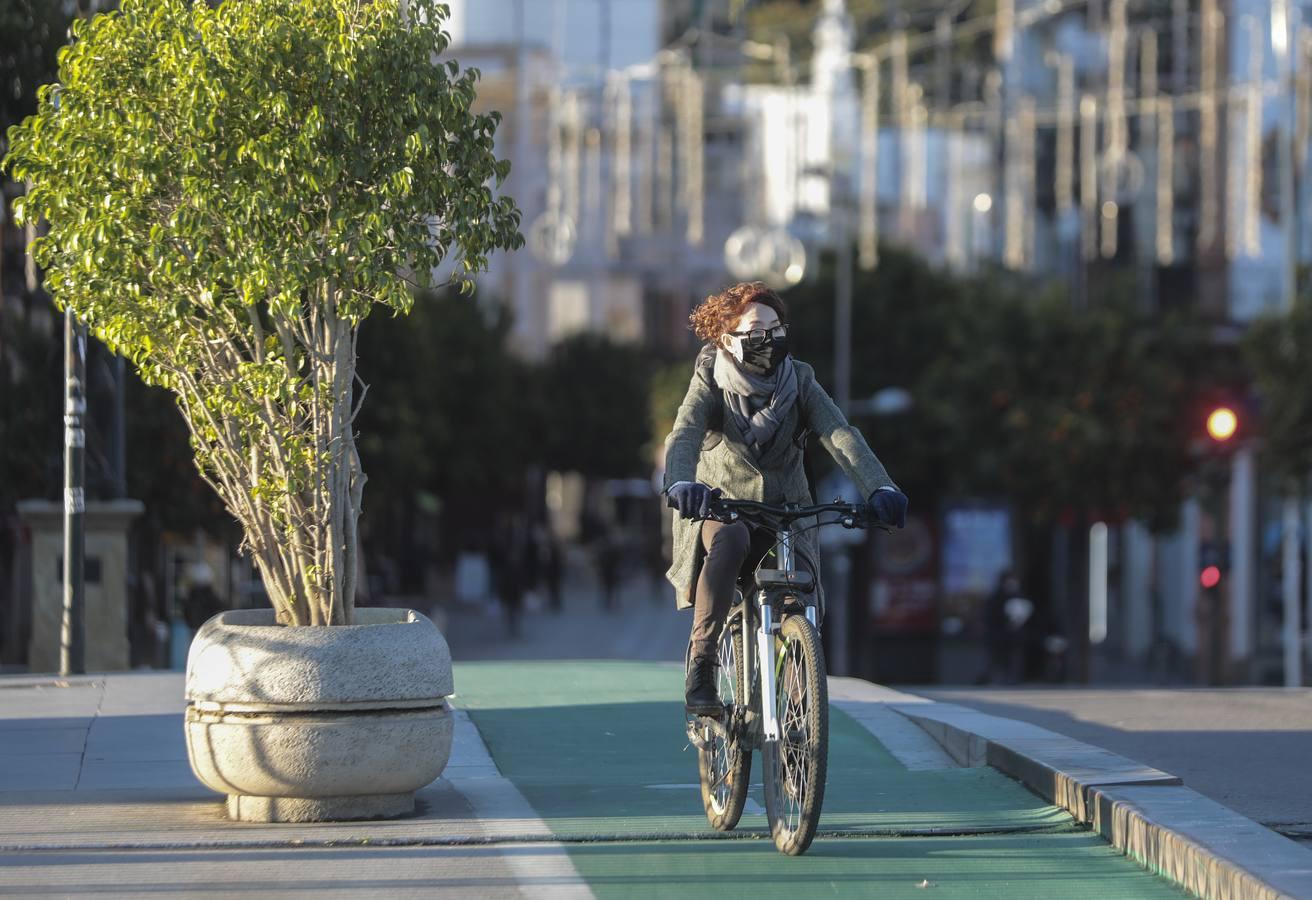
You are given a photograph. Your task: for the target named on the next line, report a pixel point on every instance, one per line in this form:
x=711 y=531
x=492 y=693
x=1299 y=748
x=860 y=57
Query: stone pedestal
x=327 y=723
x=105 y=610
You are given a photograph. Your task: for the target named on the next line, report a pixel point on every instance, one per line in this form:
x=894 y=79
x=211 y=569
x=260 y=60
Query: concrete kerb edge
x=1149 y=815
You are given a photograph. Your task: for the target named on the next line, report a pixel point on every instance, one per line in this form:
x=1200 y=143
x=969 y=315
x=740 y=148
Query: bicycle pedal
x=696 y=737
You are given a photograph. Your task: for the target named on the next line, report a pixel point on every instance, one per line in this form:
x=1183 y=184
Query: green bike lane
x=598 y=748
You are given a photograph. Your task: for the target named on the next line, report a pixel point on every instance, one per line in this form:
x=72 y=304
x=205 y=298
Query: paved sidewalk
x=1247 y=748
x=644 y=625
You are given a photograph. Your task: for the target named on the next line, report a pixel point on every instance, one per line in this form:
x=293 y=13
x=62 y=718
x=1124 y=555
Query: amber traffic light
x=1222 y=423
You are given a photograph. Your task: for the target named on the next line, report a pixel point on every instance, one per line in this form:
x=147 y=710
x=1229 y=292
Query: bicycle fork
x=765 y=645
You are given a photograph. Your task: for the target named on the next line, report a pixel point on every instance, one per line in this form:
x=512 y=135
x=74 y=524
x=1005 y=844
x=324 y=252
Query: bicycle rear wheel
x=795 y=765
x=725 y=766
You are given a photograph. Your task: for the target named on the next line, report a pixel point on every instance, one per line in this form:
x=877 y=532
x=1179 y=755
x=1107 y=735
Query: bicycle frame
x=760 y=627
x=766 y=627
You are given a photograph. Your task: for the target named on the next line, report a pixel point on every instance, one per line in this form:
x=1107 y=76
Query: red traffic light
x=1222 y=423
x=1210 y=577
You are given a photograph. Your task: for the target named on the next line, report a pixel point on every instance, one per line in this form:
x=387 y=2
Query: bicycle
x=772 y=684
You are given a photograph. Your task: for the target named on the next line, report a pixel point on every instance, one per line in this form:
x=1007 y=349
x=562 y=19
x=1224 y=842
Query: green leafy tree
x=1064 y=410
x=434 y=377
x=230 y=191
x=593 y=398
x=31 y=31
x=1278 y=351
x=1017 y=394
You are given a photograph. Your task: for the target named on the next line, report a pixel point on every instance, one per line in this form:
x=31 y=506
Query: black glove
x=692 y=499
x=889 y=507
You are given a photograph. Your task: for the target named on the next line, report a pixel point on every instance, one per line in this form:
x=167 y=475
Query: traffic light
x=1213 y=561
x=1222 y=423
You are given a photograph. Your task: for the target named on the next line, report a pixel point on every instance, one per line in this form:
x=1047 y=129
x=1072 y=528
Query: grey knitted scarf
x=758 y=403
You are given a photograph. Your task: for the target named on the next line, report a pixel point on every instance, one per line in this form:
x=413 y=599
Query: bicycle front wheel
x=796 y=764
x=725 y=766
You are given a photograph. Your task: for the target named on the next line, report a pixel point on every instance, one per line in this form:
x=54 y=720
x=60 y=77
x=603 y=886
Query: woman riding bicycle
x=740 y=432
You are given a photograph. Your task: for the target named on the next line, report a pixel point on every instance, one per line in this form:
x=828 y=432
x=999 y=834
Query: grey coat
x=721 y=459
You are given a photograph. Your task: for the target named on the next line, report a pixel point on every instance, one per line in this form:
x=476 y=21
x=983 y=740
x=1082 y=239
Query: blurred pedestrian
x=1006 y=615
x=509 y=568
x=610 y=561
x=201 y=602
x=551 y=565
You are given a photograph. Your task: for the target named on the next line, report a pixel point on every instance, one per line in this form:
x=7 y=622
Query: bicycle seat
x=800 y=580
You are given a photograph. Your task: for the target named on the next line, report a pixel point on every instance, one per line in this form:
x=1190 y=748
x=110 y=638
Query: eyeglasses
x=760 y=334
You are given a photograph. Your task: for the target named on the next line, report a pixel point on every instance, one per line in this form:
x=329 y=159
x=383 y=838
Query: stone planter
x=318 y=723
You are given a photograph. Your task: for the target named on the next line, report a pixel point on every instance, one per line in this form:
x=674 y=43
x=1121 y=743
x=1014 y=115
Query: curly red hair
x=719 y=313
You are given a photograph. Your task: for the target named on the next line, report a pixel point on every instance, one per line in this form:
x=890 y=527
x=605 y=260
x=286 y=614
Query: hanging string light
x=664 y=206
x=1013 y=252
x=1148 y=67
x=1089 y=175
x=898 y=67
x=622 y=166
x=1165 y=181
x=649 y=127
x=551 y=236
x=596 y=216
x=868 y=212
x=898 y=93
x=555 y=151
x=572 y=177
x=1148 y=130
x=1303 y=98
x=1207 y=126
x=1004 y=30
x=955 y=250
x=1029 y=175
x=916 y=169
x=1304 y=125
x=1117 y=135
x=1253 y=141
x=694 y=133
x=1018 y=240
x=1065 y=175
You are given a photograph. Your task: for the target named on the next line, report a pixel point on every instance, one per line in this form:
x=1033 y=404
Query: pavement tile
x=44 y=701
x=109 y=775
x=137 y=738
x=51 y=772
x=38 y=741
x=483 y=872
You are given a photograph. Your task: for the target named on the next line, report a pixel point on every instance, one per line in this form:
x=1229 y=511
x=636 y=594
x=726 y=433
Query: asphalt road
x=1248 y=748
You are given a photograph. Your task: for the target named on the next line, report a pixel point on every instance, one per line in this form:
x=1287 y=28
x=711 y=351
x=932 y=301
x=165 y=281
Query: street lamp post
x=71 y=644
x=842 y=309
x=1291 y=572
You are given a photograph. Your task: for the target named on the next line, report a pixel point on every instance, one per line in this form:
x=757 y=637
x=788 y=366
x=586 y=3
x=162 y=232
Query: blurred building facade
x=1122 y=147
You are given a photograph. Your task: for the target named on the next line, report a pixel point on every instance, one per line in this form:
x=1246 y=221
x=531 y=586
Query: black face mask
x=764 y=356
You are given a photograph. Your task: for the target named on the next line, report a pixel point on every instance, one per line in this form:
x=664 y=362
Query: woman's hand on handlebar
x=889 y=506
x=691 y=498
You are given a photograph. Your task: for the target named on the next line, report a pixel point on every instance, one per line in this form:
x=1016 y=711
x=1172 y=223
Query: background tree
x=1017 y=395
x=593 y=396
x=1278 y=350
x=230 y=191
x=450 y=423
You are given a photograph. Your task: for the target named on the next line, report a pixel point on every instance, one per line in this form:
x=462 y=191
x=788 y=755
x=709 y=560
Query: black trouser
x=730 y=549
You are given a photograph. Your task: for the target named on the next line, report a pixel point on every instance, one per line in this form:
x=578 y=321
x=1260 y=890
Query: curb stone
x=1209 y=849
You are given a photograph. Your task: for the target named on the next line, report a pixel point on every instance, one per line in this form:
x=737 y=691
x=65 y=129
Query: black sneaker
x=701 y=697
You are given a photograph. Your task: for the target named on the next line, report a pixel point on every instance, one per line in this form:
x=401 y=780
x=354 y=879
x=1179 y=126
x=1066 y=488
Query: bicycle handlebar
x=851 y=515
